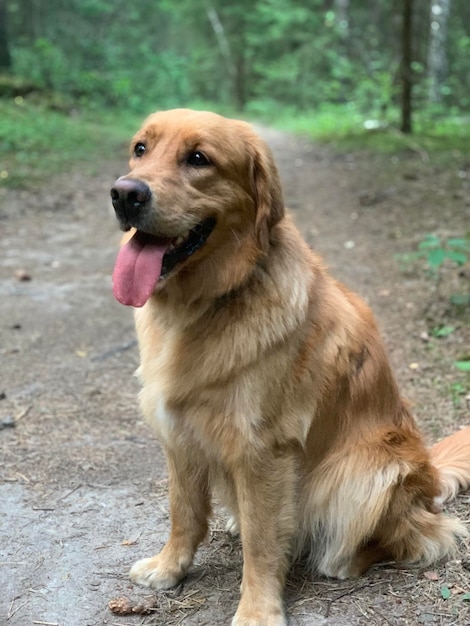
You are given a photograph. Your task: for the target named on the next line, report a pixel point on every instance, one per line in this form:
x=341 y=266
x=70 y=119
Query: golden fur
x=269 y=387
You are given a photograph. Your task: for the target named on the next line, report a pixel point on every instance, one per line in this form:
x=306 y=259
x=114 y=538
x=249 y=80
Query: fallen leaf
x=456 y=591
x=445 y=592
x=132 y=541
x=22 y=275
x=431 y=575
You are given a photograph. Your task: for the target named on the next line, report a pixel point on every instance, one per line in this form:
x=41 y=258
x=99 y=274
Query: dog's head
x=201 y=188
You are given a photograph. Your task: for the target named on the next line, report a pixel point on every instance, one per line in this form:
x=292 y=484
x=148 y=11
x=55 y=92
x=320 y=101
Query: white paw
x=233 y=526
x=147 y=573
x=266 y=620
x=336 y=570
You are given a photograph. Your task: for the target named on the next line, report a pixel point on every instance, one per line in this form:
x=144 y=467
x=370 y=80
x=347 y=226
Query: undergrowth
x=345 y=127
x=36 y=142
x=39 y=139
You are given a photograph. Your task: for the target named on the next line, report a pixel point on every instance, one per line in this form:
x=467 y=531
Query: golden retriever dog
x=265 y=379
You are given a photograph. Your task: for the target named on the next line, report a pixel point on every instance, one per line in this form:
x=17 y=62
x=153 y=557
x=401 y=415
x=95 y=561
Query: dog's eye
x=139 y=149
x=197 y=159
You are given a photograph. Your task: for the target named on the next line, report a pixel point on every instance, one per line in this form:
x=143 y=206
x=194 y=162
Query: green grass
x=344 y=127
x=36 y=142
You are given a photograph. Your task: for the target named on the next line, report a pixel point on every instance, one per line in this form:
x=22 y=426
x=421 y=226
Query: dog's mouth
x=184 y=246
x=146 y=259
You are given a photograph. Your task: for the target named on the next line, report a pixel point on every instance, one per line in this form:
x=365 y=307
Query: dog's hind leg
x=189 y=511
x=372 y=502
x=340 y=519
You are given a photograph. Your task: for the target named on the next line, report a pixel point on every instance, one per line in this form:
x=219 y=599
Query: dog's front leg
x=266 y=493
x=189 y=512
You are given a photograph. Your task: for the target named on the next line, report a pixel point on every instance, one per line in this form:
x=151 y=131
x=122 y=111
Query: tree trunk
x=235 y=62
x=222 y=39
x=5 y=57
x=437 y=53
x=341 y=9
x=240 y=81
x=406 y=71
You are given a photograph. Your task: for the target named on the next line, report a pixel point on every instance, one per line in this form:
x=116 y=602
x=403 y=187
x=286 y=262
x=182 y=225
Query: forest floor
x=83 y=481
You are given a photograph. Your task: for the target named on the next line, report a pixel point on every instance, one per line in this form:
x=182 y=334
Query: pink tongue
x=138 y=268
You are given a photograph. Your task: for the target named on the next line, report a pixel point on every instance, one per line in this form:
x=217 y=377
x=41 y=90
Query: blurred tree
x=5 y=57
x=341 y=11
x=406 y=66
x=251 y=54
x=230 y=22
x=437 y=49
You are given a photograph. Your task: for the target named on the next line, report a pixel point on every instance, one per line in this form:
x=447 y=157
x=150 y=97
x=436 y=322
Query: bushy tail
x=451 y=457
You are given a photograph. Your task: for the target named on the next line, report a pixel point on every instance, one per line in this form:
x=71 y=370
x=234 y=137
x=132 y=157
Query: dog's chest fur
x=217 y=384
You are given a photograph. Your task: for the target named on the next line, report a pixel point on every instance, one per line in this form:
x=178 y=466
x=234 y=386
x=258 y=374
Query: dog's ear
x=269 y=202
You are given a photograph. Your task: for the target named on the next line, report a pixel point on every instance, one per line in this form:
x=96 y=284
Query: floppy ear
x=269 y=203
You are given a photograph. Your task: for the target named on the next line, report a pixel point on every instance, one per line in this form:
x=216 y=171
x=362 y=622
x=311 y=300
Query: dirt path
x=82 y=482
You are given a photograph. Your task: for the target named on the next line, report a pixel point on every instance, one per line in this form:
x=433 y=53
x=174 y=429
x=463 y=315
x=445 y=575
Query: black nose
x=129 y=197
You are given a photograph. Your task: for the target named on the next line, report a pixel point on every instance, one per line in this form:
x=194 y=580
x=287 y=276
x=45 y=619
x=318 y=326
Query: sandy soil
x=83 y=482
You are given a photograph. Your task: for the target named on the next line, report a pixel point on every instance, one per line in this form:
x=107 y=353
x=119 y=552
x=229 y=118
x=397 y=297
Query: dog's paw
x=152 y=573
x=341 y=571
x=255 y=620
x=272 y=615
x=233 y=526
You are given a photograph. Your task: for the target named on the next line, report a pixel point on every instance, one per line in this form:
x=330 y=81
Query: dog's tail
x=451 y=458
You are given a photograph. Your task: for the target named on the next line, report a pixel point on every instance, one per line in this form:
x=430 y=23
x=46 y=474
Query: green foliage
x=445 y=592
x=346 y=127
x=442 y=331
x=35 y=141
x=16 y=86
x=253 y=55
x=435 y=251
x=460 y=300
x=458 y=391
x=45 y=64
x=300 y=64
x=463 y=366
